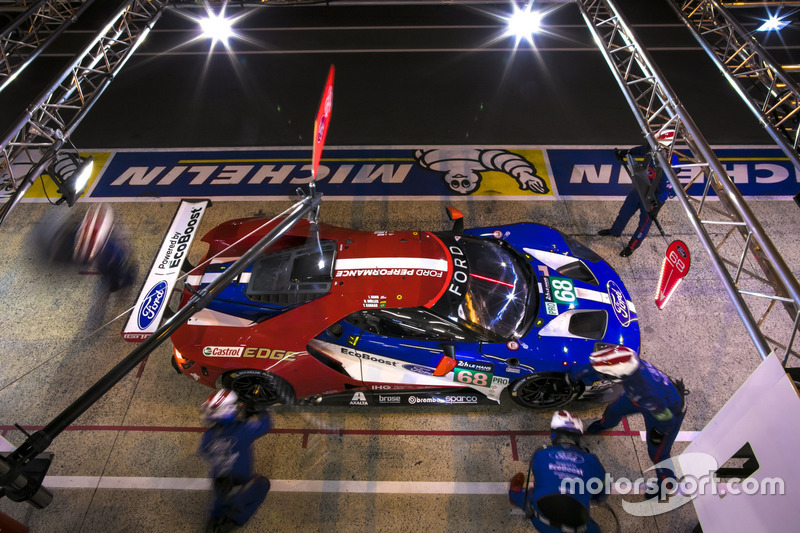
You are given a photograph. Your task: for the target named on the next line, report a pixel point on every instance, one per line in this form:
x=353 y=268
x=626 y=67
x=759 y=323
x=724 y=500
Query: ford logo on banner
x=618 y=303
x=151 y=304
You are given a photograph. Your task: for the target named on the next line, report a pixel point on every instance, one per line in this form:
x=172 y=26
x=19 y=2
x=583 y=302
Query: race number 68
x=563 y=290
x=468 y=377
x=676 y=261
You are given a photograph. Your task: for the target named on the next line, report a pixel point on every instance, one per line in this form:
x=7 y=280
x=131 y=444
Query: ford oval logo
x=618 y=303
x=151 y=304
x=419 y=369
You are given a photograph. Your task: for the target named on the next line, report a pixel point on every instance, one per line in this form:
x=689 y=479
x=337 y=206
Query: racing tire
x=544 y=390
x=258 y=389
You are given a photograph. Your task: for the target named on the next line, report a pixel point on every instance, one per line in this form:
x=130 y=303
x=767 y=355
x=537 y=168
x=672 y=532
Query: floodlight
x=773 y=23
x=71 y=174
x=217 y=28
x=523 y=23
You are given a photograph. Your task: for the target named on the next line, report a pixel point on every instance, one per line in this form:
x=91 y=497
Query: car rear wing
x=157 y=289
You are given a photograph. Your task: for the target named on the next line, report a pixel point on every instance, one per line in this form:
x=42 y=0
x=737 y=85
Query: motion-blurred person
x=566 y=479
x=227 y=446
x=633 y=201
x=647 y=391
x=93 y=242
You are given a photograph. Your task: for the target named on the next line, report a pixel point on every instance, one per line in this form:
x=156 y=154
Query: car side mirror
x=457 y=217
x=447 y=362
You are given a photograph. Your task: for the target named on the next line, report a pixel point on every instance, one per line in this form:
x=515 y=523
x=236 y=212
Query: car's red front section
x=381 y=269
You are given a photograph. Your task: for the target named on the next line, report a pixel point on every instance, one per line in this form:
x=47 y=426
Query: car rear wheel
x=257 y=388
x=544 y=390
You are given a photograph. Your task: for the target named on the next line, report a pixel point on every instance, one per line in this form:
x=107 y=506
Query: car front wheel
x=257 y=389
x=544 y=390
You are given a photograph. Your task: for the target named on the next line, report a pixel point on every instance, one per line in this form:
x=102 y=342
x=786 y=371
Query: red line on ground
x=625 y=424
x=514 y=454
x=141 y=367
x=305 y=439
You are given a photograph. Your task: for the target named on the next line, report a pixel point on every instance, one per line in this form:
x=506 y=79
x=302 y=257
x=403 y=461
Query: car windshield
x=491 y=289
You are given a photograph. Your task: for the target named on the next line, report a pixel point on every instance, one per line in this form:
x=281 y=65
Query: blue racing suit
x=552 y=465
x=650 y=392
x=633 y=203
x=238 y=491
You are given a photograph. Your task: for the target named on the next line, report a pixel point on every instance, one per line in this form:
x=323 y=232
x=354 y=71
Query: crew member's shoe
x=625 y=252
x=517 y=482
x=594 y=428
x=604 y=232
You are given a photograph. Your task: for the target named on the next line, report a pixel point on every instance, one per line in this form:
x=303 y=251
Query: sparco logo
x=460 y=399
x=223 y=351
x=151 y=304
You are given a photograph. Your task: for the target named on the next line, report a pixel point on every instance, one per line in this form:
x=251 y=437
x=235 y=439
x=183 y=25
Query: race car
x=329 y=315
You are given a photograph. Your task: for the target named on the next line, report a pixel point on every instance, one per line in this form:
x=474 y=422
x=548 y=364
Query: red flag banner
x=322 y=122
x=673 y=270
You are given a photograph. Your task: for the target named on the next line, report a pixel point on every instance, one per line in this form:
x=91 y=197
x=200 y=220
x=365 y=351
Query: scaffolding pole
x=657 y=109
x=49 y=121
x=771 y=95
x=33 y=31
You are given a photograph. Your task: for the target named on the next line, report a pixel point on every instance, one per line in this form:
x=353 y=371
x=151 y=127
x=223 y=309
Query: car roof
x=371 y=269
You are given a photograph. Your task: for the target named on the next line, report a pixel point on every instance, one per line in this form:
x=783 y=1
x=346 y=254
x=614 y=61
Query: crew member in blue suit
x=633 y=201
x=647 y=391
x=566 y=479
x=227 y=446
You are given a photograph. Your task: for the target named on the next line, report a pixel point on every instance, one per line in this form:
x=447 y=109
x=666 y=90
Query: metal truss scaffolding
x=771 y=95
x=657 y=109
x=32 y=143
x=33 y=31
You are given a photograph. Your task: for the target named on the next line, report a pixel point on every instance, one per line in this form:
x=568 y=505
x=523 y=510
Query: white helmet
x=665 y=137
x=564 y=421
x=93 y=233
x=615 y=361
x=221 y=406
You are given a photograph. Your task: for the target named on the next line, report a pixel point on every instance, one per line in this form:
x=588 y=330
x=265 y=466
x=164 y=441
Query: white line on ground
x=291 y=485
x=683 y=436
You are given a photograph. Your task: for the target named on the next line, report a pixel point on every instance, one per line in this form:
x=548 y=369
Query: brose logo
x=223 y=351
x=388 y=399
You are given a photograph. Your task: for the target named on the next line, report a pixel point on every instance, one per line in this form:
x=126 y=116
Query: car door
x=401 y=348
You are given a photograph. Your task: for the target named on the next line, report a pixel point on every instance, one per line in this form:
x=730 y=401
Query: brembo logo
x=151 y=304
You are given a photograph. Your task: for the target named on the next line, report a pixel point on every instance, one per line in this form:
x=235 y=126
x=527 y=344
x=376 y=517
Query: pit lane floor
x=129 y=463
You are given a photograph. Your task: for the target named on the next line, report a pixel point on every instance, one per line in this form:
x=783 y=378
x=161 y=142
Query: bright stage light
x=522 y=24
x=217 y=27
x=773 y=23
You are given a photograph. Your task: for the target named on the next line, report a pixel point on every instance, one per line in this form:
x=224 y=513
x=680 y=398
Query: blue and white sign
x=530 y=172
x=150 y=306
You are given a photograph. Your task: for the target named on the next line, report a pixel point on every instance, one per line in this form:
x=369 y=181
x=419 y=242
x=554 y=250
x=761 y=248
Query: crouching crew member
x=647 y=391
x=566 y=479
x=227 y=446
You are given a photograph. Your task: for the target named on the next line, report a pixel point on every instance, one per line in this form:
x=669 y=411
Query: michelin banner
x=404 y=172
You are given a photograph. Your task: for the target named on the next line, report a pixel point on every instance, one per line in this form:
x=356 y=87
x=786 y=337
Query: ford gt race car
x=334 y=315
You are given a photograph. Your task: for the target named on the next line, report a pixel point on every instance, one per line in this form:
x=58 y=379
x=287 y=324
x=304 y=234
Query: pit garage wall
x=522 y=172
x=763 y=414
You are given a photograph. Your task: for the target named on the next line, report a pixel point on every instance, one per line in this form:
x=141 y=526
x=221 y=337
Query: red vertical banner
x=673 y=270
x=322 y=122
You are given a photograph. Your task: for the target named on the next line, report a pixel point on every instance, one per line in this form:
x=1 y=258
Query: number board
x=563 y=290
x=474 y=373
